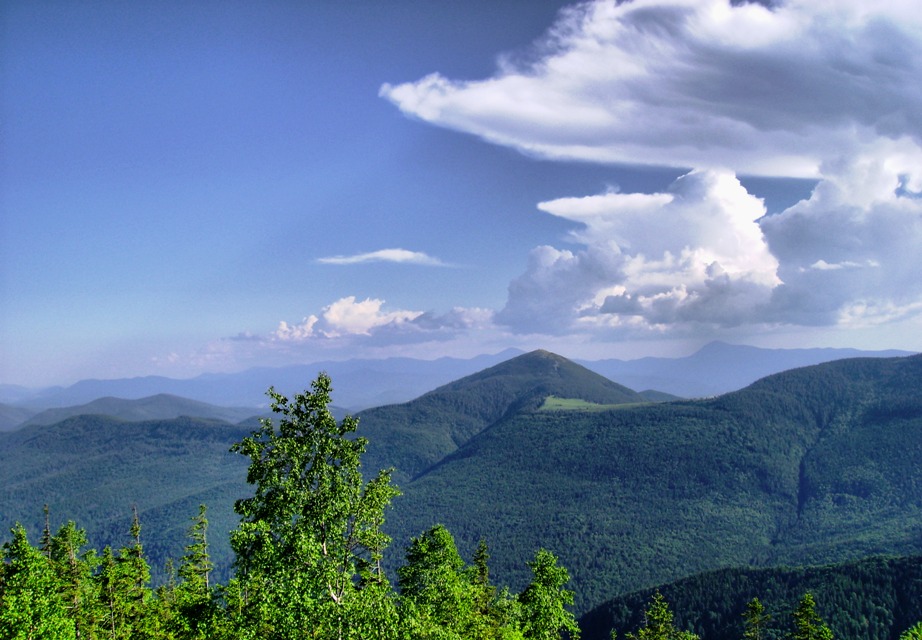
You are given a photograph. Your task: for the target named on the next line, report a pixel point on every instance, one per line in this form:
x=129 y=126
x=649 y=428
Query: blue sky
x=191 y=187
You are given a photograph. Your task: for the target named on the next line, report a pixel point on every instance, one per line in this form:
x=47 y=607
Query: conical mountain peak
x=541 y=373
x=417 y=434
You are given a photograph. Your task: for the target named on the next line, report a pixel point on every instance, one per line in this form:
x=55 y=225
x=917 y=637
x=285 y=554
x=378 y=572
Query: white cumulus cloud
x=368 y=322
x=693 y=254
x=345 y=317
x=852 y=248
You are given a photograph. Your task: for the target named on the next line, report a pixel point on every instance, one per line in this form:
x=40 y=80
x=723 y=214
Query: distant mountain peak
x=437 y=423
x=540 y=373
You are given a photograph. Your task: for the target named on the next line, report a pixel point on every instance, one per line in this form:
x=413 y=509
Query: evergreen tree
x=658 y=623
x=124 y=589
x=196 y=566
x=912 y=633
x=74 y=568
x=755 y=620
x=194 y=609
x=498 y=611
x=30 y=602
x=111 y=594
x=309 y=545
x=136 y=579
x=46 y=532
x=544 y=601
x=807 y=623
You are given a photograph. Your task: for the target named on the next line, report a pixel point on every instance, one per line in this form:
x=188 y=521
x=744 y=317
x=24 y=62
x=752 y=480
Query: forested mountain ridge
x=415 y=435
x=363 y=383
x=95 y=469
x=13 y=416
x=870 y=599
x=811 y=465
x=719 y=368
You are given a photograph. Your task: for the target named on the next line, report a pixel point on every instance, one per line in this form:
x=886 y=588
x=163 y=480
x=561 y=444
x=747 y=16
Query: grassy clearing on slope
x=553 y=403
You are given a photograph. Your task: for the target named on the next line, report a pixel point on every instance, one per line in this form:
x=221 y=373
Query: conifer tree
x=111 y=595
x=136 y=574
x=74 y=567
x=30 y=602
x=124 y=589
x=755 y=620
x=658 y=623
x=193 y=598
x=807 y=623
x=46 y=532
x=195 y=569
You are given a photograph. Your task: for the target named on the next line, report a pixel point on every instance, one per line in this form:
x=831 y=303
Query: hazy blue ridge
x=362 y=383
x=159 y=407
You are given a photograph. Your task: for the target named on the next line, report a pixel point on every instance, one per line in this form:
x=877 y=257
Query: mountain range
x=159 y=407
x=362 y=383
x=812 y=465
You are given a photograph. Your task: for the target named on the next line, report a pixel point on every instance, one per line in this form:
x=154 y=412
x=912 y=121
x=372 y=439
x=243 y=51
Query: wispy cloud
x=401 y=256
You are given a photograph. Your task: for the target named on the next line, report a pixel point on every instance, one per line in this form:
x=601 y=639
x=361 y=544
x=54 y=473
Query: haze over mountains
x=159 y=407
x=362 y=383
x=812 y=465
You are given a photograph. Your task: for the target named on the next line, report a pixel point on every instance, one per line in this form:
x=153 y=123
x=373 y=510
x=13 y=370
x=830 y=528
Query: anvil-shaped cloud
x=698 y=83
x=822 y=89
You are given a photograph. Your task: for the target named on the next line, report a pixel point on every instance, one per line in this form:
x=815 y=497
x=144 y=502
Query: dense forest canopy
x=308 y=561
x=810 y=465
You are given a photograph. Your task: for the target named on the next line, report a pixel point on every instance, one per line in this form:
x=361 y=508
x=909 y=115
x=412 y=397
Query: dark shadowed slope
x=871 y=599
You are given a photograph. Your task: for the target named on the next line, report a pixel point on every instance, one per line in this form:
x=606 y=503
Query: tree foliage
x=310 y=544
x=755 y=620
x=807 y=623
x=658 y=623
x=309 y=564
x=30 y=603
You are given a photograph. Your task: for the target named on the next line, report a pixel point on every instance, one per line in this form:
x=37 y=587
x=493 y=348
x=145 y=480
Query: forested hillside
x=871 y=599
x=414 y=436
x=158 y=407
x=812 y=465
x=307 y=560
x=94 y=470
